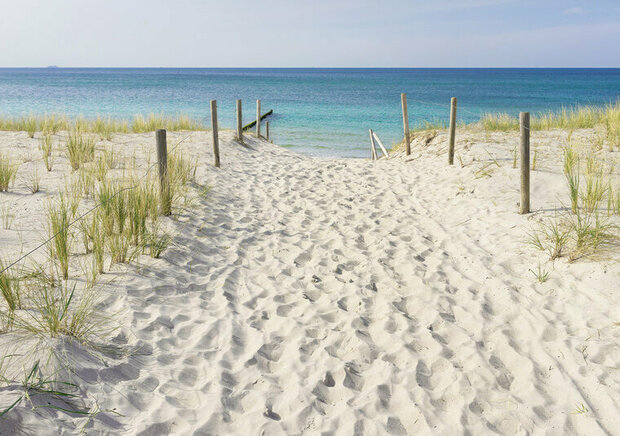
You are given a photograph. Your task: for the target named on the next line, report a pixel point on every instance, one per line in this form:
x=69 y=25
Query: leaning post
x=267 y=130
x=403 y=102
x=162 y=161
x=452 y=131
x=524 y=205
x=216 y=141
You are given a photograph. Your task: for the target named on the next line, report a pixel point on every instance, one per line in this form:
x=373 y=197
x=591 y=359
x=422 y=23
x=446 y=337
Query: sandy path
x=310 y=295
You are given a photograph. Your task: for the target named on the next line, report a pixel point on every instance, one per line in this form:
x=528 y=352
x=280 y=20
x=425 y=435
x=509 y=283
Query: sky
x=310 y=33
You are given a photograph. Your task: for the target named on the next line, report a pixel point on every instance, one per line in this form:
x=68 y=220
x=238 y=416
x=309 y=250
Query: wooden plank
x=524 y=205
x=267 y=130
x=253 y=123
x=383 y=150
x=162 y=161
x=216 y=140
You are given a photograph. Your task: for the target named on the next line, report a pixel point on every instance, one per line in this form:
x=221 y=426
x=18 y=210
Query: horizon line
x=52 y=67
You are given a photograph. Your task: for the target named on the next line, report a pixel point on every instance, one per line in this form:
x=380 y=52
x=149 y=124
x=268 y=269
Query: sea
x=319 y=111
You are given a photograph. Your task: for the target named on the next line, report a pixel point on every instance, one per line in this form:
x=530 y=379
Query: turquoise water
x=318 y=111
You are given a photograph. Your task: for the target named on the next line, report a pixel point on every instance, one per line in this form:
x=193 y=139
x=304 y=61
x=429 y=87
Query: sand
x=311 y=295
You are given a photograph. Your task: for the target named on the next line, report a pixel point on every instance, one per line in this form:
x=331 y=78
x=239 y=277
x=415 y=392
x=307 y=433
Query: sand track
x=309 y=295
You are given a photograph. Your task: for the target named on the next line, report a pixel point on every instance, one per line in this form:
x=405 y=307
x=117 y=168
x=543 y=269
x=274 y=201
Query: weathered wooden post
x=164 y=183
x=452 y=131
x=524 y=206
x=403 y=102
x=239 y=122
x=258 y=118
x=267 y=130
x=216 y=141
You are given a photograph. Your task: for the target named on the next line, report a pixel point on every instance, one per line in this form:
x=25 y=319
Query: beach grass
x=579 y=117
x=80 y=147
x=7 y=215
x=8 y=171
x=34 y=180
x=125 y=224
x=59 y=215
x=10 y=288
x=46 y=147
x=571 y=172
x=501 y=122
x=104 y=127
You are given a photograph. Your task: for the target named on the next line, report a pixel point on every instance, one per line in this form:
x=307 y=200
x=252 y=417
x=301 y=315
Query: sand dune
x=313 y=295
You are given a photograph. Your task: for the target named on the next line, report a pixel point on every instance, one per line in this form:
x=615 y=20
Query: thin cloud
x=465 y=4
x=573 y=11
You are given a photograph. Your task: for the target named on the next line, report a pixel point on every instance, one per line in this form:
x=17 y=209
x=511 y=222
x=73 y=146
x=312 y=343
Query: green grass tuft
x=8 y=171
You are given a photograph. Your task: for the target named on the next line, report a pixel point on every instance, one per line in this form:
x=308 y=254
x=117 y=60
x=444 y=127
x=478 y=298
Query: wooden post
x=373 y=149
x=258 y=118
x=216 y=141
x=164 y=183
x=403 y=102
x=524 y=205
x=267 y=130
x=239 y=122
x=452 y=131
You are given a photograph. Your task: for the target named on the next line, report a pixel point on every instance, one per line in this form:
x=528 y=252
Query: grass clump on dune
x=59 y=216
x=107 y=127
x=80 y=148
x=46 y=150
x=581 y=230
x=52 y=124
x=10 y=288
x=8 y=171
x=180 y=172
x=571 y=172
x=612 y=127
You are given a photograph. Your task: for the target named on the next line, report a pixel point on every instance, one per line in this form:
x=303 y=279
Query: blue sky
x=317 y=33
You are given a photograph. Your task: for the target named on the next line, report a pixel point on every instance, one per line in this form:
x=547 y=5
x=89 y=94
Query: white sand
x=310 y=295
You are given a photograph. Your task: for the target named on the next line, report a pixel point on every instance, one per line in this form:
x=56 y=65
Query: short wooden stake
x=239 y=122
x=524 y=205
x=267 y=130
x=258 y=118
x=452 y=131
x=216 y=139
x=403 y=102
x=162 y=161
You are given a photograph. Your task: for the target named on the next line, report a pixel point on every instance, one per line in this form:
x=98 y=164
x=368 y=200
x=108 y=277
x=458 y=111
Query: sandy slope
x=310 y=295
